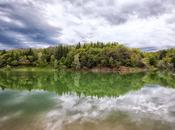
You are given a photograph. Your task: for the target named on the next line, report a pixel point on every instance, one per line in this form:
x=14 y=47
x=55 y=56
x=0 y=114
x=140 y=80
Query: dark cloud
x=26 y=21
x=118 y=14
x=8 y=41
x=148 y=8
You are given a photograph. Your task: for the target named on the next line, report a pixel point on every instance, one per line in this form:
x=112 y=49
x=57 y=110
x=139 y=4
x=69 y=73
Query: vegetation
x=88 y=56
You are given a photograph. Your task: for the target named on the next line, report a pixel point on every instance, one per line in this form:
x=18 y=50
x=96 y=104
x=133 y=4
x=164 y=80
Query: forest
x=88 y=56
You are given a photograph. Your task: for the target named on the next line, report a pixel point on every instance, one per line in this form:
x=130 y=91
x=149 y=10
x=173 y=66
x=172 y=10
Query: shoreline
x=120 y=70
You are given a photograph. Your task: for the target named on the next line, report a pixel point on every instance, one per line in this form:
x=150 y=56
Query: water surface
x=86 y=101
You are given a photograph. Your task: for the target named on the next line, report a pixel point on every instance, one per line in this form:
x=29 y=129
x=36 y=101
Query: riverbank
x=120 y=70
x=21 y=69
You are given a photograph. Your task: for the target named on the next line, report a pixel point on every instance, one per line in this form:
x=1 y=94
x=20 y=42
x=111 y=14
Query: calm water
x=86 y=101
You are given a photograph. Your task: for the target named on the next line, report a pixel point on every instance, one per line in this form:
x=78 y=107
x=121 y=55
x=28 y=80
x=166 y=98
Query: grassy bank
x=21 y=69
x=120 y=70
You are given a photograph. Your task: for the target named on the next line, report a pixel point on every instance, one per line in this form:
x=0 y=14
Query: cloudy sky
x=43 y=23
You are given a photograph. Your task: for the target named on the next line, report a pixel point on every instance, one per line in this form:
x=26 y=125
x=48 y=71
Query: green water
x=45 y=100
x=88 y=84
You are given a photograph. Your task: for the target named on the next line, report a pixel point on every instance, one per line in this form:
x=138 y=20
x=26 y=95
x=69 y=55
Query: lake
x=49 y=100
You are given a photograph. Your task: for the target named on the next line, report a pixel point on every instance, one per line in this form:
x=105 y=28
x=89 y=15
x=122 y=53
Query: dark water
x=86 y=101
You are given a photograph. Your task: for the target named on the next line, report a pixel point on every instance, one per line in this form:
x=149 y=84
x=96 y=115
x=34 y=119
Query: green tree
x=41 y=60
x=76 y=62
x=53 y=61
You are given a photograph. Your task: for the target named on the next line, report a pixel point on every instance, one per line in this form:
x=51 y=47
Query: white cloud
x=136 y=23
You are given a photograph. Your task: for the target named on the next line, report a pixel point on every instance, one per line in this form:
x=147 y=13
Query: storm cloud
x=43 y=23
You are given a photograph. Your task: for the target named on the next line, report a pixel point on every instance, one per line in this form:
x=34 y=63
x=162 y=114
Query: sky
x=148 y=24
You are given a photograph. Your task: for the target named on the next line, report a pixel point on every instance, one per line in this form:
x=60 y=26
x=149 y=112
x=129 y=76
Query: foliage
x=88 y=55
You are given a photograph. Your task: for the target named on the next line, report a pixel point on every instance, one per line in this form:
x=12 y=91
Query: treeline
x=90 y=55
